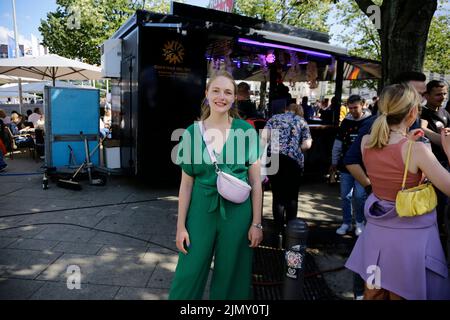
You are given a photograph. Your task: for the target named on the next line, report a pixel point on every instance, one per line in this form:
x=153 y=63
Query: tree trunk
x=404 y=33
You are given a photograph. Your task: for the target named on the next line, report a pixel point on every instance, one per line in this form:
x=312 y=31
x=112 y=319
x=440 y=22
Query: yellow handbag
x=417 y=200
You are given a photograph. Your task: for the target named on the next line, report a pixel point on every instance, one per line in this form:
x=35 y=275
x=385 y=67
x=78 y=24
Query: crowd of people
x=21 y=130
x=369 y=151
x=17 y=130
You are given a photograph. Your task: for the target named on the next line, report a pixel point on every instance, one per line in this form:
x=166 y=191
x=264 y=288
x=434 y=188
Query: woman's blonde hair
x=295 y=108
x=206 y=110
x=396 y=101
x=14 y=117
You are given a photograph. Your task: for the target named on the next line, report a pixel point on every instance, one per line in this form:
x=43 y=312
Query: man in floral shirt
x=294 y=138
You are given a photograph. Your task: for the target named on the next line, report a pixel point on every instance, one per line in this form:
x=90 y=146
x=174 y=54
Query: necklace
x=398 y=132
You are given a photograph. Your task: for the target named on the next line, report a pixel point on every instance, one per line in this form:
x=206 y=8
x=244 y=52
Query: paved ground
x=121 y=237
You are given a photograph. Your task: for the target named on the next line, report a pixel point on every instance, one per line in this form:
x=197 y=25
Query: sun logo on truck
x=173 y=52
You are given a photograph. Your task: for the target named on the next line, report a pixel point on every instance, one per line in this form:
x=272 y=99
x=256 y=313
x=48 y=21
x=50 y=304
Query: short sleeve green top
x=240 y=151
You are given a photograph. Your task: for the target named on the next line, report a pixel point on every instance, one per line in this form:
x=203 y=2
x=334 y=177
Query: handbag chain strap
x=410 y=143
x=208 y=147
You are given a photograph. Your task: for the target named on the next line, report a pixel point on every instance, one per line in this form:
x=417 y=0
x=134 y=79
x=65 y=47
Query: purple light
x=301 y=62
x=279 y=46
x=270 y=58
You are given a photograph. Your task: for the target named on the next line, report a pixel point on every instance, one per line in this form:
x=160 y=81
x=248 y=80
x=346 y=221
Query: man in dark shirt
x=308 y=110
x=247 y=109
x=437 y=118
x=350 y=189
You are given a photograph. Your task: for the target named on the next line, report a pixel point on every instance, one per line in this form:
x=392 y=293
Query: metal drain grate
x=268 y=276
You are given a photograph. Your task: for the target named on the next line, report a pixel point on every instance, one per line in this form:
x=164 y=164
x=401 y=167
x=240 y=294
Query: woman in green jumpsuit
x=208 y=225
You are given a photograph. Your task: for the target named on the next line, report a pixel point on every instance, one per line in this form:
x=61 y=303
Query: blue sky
x=28 y=15
x=30 y=12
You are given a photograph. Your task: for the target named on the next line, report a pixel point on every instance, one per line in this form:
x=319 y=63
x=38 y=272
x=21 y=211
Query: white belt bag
x=229 y=187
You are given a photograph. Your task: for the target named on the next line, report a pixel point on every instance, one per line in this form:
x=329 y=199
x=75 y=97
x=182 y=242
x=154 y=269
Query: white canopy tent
x=38 y=87
x=13 y=94
x=49 y=67
x=11 y=79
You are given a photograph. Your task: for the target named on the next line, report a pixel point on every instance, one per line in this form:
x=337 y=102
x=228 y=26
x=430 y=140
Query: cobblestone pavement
x=120 y=237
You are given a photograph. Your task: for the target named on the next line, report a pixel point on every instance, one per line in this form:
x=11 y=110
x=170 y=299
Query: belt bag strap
x=408 y=155
x=229 y=187
x=208 y=146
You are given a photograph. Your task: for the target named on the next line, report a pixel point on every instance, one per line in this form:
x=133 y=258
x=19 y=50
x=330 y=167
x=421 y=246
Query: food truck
x=159 y=65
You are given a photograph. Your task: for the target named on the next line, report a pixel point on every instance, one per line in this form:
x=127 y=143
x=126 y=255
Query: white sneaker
x=343 y=229
x=359 y=298
x=359 y=228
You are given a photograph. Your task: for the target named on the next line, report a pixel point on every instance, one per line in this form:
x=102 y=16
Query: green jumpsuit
x=216 y=226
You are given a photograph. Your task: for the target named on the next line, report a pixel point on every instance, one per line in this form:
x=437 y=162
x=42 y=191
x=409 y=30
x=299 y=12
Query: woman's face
x=220 y=95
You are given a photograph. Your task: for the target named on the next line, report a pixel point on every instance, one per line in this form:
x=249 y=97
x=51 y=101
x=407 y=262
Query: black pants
x=285 y=185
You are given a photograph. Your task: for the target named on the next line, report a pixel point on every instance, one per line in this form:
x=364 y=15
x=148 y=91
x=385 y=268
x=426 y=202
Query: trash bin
x=296 y=237
x=112 y=153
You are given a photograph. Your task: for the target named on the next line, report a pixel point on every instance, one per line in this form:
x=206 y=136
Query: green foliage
x=308 y=14
x=356 y=32
x=438 y=48
x=78 y=27
x=261 y=9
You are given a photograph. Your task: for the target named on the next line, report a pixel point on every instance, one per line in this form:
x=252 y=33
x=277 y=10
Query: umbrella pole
x=16 y=39
x=20 y=96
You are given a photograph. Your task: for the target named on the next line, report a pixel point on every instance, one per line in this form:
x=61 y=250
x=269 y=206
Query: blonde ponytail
x=379 y=135
x=396 y=101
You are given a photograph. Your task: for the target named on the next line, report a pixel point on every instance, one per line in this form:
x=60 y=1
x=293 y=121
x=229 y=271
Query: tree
x=438 y=49
x=78 y=27
x=394 y=31
x=308 y=14
x=403 y=31
x=359 y=34
x=354 y=30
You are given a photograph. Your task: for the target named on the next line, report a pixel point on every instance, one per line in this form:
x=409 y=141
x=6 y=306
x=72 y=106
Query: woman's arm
x=425 y=160
x=306 y=145
x=184 y=200
x=356 y=170
x=255 y=234
x=265 y=136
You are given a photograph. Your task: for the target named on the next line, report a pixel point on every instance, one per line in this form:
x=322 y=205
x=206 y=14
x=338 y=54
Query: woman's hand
x=182 y=236
x=415 y=134
x=445 y=140
x=255 y=235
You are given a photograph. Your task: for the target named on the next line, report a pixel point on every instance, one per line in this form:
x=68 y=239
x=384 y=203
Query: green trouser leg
x=231 y=279
x=208 y=232
x=193 y=269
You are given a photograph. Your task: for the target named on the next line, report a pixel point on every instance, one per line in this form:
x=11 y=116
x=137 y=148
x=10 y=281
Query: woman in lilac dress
x=400 y=257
